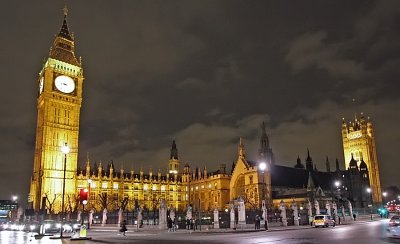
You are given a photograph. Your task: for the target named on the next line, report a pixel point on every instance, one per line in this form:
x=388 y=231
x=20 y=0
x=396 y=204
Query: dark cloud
x=206 y=73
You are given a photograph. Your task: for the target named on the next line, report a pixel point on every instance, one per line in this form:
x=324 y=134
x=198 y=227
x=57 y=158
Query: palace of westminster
x=60 y=88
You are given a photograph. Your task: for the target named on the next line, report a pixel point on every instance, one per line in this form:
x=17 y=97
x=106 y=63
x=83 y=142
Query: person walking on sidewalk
x=188 y=224
x=123 y=227
x=257 y=222
x=169 y=224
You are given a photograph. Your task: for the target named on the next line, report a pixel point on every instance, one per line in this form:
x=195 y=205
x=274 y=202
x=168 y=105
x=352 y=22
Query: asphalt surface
x=362 y=232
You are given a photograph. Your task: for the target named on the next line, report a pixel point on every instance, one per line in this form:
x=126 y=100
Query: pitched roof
x=283 y=176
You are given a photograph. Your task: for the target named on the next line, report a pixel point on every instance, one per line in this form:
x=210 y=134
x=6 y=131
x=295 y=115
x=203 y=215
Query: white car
x=323 y=220
x=394 y=227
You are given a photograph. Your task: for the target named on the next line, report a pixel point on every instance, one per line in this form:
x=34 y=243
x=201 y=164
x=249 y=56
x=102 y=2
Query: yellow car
x=322 y=220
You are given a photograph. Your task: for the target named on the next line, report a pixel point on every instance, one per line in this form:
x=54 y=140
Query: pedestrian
x=188 y=224
x=123 y=227
x=257 y=222
x=354 y=216
x=173 y=225
x=169 y=224
x=192 y=224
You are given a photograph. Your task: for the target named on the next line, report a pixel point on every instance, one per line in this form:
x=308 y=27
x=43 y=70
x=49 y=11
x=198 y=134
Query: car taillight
x=393 y=223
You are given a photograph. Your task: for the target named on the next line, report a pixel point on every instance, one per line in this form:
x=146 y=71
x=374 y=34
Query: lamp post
x=384 y=194
x=88 y=200
x=370 y=199
x=14 y=207
x=262 y=167
x=64 y=149
x=337 y=185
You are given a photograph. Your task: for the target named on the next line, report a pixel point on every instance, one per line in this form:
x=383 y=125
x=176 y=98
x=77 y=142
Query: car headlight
x=6 y=226
x=76 y=226
x=46 y=226
x=58 y=226
x=32 y=227
x=21 y=227
x=14 y=227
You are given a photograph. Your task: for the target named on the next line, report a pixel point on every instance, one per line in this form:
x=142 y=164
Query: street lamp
x=262 y=167
x=88 y=200
x=337 y=184
x=64 y=149
x=370 y=199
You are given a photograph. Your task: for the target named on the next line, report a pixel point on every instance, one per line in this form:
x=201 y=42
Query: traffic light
x=83 y=196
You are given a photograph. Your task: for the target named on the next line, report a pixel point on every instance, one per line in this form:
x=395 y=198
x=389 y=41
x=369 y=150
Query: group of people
x=191 y=224
x=172 y=227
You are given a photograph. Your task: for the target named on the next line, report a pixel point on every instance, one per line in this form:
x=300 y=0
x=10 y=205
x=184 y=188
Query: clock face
x=41 y=85
x=64 y=84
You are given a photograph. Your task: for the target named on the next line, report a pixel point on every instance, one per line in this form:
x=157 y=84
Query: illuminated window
x=115 y=185
x=209 y=185
x=154 y=187
x=162 y=188
x=197 y=187
x=104 y=185
x=251 y=179
x=191 y=188
x=145 y=187
x=93 y=185
x=202 y=186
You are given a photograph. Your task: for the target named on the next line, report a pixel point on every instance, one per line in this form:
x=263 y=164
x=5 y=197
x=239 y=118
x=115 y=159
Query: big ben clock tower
x=59 y=101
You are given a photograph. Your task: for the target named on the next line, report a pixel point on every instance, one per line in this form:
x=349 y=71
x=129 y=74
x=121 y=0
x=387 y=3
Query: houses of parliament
x=60 y=87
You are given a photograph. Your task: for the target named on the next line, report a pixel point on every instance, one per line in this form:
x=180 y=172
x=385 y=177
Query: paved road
x=361 y=232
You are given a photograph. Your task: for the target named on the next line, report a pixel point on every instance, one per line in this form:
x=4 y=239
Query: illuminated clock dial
x=41 y=83
x=64 y=84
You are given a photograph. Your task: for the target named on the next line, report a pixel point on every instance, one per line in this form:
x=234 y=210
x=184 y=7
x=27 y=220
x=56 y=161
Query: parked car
x=72 y=226
x=51 y=226
x=322 y=220
x=32 y=226
x=393 y=229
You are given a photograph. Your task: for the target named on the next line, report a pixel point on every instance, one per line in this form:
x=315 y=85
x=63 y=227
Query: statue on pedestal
x=104 y=221
x=216 y=218
x=295 y=213
x=282 y=207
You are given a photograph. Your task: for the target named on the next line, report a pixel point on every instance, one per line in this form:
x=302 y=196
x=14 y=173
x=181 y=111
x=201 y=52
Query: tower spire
x=241 y=151
x=174 y=151
x=328 y=165
x=64 y=31
x=309 y=162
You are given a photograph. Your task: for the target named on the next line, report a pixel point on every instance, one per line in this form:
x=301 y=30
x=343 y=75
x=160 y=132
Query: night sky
x=206 y=73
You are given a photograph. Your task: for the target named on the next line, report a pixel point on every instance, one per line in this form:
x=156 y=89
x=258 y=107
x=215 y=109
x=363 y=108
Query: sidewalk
x=273 y=226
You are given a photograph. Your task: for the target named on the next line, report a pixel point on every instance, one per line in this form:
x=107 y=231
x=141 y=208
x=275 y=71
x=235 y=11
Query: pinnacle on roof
x=64 y=31
x=174 y=151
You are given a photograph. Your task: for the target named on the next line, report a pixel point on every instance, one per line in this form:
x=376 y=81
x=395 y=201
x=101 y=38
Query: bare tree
x=50 y=203
x=72 y=203
x=124 y=203
x=104 y=200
